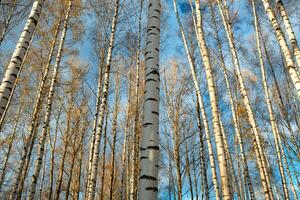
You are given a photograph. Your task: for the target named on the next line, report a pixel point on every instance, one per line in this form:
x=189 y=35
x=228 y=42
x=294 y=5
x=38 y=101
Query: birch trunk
x=104 y=157
x=125 y=149
x=232 y=103
x=283 y=45
x=114 y=135
x=269 y=104
x=32 y=131
x=95 y=153
x=214 y=105
x=52 y=154
x=96 y=116
x=11 y=73
x=258 y=151
x=290 y=32
x=201 y=107
x=41 y=145
x=149 y=156
x=135 y=152
x=188 y=170
x=70 y=176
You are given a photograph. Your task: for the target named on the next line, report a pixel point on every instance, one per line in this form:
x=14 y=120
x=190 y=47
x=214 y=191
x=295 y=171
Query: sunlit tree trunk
x=201 y=107
x=93 y=165
x=268 y=102
x=135 y=152
x=52 y=154
x=290 y=32
x=11 y=73
x=32 y=131
x=188 y=170
x=149 y=156
x=283 y=45
x=114 y=134
x=232 y=103
x=258 y=150
x=214 y=105
x=101 y=194
x=41 y=145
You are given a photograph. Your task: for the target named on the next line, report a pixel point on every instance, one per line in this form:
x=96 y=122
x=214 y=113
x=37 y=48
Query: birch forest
x=149 y=100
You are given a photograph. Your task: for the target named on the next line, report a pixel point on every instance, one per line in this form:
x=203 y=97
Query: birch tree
x=11 y=73
x=148 y=179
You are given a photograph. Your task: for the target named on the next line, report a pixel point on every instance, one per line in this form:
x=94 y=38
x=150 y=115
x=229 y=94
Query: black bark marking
x=151 y=99
x=150 y=79
x=156 y=113
x=154 y=189
x=148 y=177
x=149 y=58
x=153 y=72
x=147 y=124
x=144 y=157
x=153 y=147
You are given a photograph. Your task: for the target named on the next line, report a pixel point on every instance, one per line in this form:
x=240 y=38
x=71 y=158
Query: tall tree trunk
x=135 y=152
x=93 y=166
x=11 y=73
x=290 y=32
x=214 y=104
x=188 y=170
x=283 y=45
x=32 y=131
x=233 y=111
x=259 y=150
x=70 y=175
x=101 y=194
x=201 y=107
x=41 y=145
x=52 y=154
x=269 y=104
x=114 y=134
x=96 y=116
x=148 y=182
x=125 y=151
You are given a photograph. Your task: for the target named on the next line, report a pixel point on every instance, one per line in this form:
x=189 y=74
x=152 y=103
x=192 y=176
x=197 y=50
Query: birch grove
x=146 y=100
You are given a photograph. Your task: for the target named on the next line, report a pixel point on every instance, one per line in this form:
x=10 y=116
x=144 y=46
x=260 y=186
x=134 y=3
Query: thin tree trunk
x=96 y=116
x=201 y=107
x=114 y=134
x=52 y=156
x=214 y=105
x=41 y=145
x=11 y=73
x=149 y=156
x=43 y=175
x=124 y=178
x=290 y=32
x=135 y=152
x=70 y=176
x=283 y=45
x=269 y=104
x=188 y=170
x=101 y=195
x=93 y=167
x=259 y=151
x=234 y=115
x=32 y=131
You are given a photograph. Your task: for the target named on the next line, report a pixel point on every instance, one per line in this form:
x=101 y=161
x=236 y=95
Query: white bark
x=11 y=73
x=283 y=45
x=95 y=157
x=269 y=104
x=259 y=151
x=148 y=180
x=41 y=145
x=202 y=110
x=290 y=32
